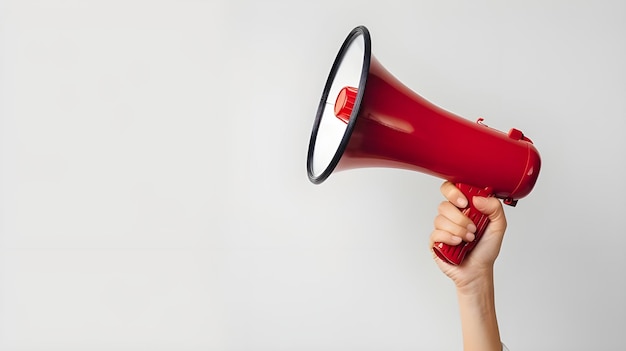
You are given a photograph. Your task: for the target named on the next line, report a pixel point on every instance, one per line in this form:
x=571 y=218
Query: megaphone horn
x=367 y=118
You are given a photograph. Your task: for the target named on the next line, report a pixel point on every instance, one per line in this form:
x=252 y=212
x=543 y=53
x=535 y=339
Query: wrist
x=479 y=284
x=479 y=296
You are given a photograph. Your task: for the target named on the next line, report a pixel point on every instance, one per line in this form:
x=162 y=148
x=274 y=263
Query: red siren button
x=345 y=103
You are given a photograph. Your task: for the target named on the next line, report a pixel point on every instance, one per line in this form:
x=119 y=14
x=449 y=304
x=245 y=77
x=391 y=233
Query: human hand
x=452 y=227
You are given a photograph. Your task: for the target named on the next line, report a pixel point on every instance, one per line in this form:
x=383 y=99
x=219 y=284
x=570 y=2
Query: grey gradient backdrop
x=154 y=193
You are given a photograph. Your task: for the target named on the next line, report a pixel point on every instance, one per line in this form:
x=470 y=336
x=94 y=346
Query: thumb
x=491 y=207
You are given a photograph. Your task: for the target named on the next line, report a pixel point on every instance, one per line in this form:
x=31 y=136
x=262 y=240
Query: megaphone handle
x=456 y=254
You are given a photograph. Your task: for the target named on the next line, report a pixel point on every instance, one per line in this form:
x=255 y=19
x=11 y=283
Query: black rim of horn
x=355 y=33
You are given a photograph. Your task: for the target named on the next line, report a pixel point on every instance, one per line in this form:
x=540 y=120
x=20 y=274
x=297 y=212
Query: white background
x=154 y=193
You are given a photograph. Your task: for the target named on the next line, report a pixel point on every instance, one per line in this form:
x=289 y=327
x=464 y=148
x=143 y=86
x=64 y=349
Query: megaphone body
x=368 y=118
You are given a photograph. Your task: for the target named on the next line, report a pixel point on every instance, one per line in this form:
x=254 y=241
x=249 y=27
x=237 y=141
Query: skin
x=473 y=279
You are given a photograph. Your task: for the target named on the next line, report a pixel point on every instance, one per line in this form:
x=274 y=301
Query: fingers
x=442 y=236
x=492 y=207
x=453 y=194
x=452 y=226
x=451 y=220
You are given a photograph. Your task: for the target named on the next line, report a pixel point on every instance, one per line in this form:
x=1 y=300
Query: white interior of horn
x=331 y=129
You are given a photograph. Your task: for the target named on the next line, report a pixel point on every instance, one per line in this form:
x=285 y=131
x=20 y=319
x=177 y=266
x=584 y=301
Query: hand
x=452 y=227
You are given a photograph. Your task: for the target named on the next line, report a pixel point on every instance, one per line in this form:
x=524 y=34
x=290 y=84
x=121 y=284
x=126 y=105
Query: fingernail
x=461 y=202
x=470 y=236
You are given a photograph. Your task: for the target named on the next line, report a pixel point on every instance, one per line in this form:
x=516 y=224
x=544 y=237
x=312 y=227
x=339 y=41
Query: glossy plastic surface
x=397 y=128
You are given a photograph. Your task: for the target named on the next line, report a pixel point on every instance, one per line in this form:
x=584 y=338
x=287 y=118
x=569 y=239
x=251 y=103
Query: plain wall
x=154 y=193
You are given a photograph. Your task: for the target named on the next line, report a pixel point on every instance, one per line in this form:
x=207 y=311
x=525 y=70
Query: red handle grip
x=456 y=254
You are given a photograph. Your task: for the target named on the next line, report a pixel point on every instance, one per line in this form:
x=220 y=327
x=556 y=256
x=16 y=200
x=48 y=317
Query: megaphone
x=368 y=118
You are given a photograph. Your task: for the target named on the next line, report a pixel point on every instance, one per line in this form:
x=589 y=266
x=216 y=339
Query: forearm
x=478 y=316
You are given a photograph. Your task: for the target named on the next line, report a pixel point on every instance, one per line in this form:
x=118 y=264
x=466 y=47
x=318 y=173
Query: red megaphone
x=367 y=118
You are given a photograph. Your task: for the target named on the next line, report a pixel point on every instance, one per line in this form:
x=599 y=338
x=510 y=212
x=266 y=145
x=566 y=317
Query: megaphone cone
x=368 y=118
